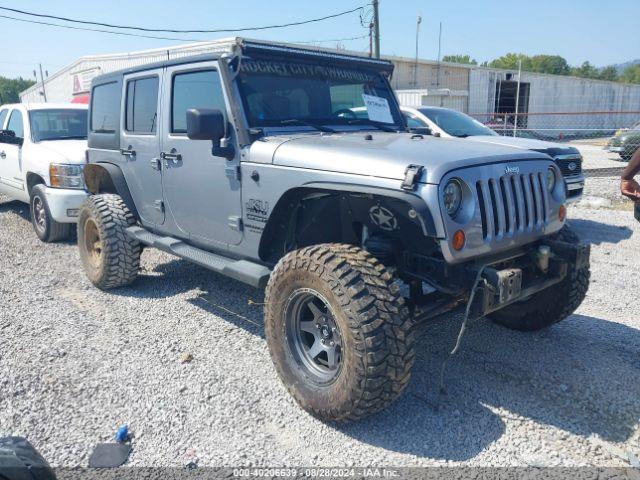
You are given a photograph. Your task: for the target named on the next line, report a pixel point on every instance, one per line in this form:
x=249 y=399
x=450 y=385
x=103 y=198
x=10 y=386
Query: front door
x=11 y=176
x=140 y=144
x=202 y=191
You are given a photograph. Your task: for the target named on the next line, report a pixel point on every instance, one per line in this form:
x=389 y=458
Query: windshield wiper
x=373 y=123
x=297 y=121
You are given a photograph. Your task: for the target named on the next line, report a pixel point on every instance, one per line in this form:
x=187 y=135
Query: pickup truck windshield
x=280 y=93
x=456 y=123
x=58 y=124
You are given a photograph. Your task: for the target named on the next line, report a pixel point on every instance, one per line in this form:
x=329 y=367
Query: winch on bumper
x=502 y=280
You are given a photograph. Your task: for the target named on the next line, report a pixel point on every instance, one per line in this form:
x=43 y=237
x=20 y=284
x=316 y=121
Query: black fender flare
x=101 y=177
x=424 y=215
x=410 y=206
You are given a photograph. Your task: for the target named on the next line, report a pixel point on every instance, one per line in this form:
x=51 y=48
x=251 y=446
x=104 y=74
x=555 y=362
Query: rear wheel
x=338 y=331
x=46 y=228
x=109 y=256
x=552 y=305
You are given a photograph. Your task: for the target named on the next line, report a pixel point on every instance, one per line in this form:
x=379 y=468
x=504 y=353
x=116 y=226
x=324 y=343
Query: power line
x=99 y=30
x=333 y=40
x=163 y=30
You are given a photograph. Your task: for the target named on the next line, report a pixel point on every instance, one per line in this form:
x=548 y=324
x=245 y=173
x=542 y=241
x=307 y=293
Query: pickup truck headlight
x=452 y=197
x=66 y=176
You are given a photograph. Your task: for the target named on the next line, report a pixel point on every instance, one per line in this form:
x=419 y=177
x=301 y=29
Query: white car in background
x=445 y=122
x=42 y=154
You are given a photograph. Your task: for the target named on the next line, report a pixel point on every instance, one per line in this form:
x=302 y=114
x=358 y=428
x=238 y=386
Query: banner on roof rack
x=307 y=70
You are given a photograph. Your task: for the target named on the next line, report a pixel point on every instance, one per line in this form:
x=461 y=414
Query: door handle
x=173 y=156
x=127 y=152
x=3 y=155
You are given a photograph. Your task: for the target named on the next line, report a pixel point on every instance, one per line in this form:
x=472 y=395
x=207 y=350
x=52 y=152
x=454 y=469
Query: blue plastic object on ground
x=122 y=434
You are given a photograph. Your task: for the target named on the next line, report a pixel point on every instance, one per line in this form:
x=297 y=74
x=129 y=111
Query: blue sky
x=601 y=32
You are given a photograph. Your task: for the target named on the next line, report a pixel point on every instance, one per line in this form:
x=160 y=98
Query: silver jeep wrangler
x=253 y=163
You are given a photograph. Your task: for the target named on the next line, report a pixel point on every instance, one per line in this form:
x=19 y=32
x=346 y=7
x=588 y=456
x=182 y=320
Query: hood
x=523 y=143
x=385 y=155
x=69 y=151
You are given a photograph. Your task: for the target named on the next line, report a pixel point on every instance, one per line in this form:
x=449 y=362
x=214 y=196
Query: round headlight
x=452 y=197
x=551 y=179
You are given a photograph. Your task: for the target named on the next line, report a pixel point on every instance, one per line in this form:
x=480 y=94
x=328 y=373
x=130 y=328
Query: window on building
x=201 y=89
x=142 y=106
x=105 y=108
x=16 y=124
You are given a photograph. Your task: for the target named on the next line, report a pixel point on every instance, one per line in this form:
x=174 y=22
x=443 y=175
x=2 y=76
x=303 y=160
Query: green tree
x=554 y=64
x=510 y=62
x=11 y=87
x=586 y=70
x=465 y=59
x=609 y=73
x=631 y=74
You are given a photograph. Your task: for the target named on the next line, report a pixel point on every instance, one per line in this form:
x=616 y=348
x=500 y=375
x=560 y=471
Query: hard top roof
x=250 y=47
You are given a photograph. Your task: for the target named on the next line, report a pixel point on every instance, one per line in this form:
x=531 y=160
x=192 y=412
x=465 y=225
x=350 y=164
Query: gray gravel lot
x=75 y=363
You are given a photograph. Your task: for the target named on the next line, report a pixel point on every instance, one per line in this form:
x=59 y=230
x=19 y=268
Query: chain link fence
x=616 y=131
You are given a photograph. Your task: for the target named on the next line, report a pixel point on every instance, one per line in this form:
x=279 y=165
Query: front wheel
x=109 y=256
x=338 y=331
x=46 y=228
x=552 y=305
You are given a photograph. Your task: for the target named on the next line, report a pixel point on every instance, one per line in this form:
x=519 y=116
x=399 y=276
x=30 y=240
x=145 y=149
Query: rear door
x=11 y=176
x=202 y=191
x=140 y=143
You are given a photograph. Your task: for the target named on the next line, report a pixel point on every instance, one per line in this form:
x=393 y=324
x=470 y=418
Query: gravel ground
x=75 y=363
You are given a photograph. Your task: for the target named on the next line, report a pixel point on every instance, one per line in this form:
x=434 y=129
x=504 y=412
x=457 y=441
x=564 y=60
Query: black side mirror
x=205 y=124
x=9 y=136
x=210 y=124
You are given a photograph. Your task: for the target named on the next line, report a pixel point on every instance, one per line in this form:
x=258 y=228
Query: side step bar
x=247 y=272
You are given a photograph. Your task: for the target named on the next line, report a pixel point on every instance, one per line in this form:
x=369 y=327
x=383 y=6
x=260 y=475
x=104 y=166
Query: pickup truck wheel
x=109 y=256
x=46 y=228
x=338 y=331
x=552 y=305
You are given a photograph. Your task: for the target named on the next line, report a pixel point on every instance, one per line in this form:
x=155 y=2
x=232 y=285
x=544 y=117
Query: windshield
x=58 y=124
x=456 y=123
x=277 y=93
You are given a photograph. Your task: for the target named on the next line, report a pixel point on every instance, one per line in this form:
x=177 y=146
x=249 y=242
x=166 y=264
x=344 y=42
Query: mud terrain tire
x=109 y=256
x=372 y=325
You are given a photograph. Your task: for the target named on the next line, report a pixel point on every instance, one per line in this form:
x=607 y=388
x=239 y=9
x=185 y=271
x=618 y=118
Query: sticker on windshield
x=377 y=108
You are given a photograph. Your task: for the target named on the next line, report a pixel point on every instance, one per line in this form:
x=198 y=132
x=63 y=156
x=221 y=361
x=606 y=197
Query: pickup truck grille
x=512 y=204
x=566 y=163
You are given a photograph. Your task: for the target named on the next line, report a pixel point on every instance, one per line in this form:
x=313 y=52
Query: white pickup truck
x=42 y=154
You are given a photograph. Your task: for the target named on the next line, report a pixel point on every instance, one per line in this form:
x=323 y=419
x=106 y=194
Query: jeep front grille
x=512 y=204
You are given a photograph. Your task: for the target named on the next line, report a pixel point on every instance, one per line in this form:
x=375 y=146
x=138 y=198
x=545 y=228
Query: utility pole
x=415 y=71
x=371 y=39
x=439 y=52
x=515 y=123
x=44 y=93
x=376 y=29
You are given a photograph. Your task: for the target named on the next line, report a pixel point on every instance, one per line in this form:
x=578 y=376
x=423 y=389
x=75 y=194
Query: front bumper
x=504 y=279
x=64 y=203
x=575 y=186
x=503 y=287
